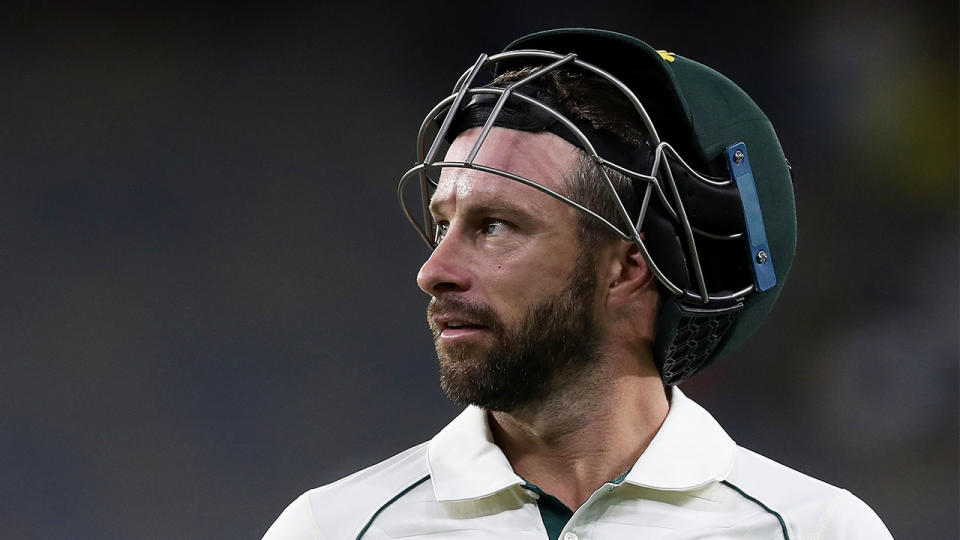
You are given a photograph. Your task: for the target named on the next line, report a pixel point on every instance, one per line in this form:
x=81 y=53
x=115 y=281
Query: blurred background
x=208 y=297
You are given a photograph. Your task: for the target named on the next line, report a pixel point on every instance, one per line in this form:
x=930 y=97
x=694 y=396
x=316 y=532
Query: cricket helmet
x=715 y=219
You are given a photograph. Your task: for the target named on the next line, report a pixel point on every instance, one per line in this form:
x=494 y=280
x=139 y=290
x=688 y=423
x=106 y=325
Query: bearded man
x=599 y=235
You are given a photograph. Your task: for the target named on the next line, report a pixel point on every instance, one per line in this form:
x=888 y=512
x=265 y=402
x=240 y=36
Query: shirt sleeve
x=849 y=518
x=296 y=522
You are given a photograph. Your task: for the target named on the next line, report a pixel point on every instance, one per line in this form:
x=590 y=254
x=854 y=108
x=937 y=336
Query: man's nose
x=446 y=270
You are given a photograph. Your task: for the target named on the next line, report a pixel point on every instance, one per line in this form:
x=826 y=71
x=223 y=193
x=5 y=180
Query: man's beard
x=552 y=343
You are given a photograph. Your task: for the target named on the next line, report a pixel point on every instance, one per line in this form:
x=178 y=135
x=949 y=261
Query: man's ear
x=630 y=276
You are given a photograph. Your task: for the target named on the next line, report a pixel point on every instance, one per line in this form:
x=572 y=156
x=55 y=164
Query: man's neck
x=585 y=434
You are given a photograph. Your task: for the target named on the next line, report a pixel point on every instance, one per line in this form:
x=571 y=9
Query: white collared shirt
x=692 y=481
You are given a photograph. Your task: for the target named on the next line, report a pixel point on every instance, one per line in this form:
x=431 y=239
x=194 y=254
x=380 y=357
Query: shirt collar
x=464 y=461
x=689 y=451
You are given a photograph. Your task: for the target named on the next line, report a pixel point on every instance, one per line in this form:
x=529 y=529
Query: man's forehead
x=540 y=157
x=510 y=149
x=477 y=188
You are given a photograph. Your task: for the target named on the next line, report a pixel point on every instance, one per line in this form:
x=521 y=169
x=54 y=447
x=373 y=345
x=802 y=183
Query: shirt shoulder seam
x=827 y=514
x=313 y=517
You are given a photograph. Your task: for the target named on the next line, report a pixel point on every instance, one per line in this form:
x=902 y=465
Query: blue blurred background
x=208 y=288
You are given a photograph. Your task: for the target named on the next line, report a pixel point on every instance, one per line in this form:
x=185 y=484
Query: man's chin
x=467 y=378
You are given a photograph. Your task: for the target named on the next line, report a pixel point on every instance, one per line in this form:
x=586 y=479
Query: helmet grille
x=693 y=340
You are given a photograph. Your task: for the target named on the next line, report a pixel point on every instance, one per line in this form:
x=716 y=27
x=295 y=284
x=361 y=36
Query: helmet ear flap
x=686 y=337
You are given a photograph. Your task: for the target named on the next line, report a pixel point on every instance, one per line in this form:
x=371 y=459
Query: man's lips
x=452 y=327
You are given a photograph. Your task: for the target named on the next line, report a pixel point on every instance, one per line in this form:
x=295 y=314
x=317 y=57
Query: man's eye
x=442 y=228
x=492 y=226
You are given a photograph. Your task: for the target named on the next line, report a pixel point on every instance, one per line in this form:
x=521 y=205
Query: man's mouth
x=453 y=328
x=462 y=324
x=454 y=319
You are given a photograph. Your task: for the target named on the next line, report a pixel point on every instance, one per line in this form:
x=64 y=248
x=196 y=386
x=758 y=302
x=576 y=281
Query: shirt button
x=570 y=536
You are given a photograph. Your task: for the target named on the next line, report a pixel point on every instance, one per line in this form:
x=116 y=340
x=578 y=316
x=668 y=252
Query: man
x=607 y=220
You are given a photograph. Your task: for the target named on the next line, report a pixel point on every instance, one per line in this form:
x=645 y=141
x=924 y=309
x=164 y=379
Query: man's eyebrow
x=493 y=205
x=434 y=207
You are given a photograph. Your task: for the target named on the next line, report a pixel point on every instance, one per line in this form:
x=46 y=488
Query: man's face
x=514 y=296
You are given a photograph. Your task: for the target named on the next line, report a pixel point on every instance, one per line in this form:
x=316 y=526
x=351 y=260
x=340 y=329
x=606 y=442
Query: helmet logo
x=668 y=56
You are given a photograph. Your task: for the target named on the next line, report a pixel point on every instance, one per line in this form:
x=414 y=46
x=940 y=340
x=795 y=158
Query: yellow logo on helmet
x=668 y=56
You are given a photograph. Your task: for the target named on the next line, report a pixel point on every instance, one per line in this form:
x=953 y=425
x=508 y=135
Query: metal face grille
x=658 y=182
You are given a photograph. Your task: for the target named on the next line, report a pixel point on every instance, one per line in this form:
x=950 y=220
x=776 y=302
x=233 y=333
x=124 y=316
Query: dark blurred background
x=208 y=296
